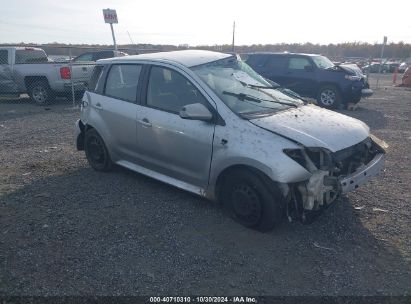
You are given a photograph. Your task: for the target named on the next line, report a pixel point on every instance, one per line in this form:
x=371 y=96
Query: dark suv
x=313 y=76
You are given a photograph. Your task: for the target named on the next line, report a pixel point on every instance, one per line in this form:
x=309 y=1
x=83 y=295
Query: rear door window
x=276 y=62
x=122 y=81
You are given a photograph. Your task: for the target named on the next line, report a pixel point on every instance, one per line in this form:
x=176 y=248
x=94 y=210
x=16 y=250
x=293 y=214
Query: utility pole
x=232 y=46
x=382 y=55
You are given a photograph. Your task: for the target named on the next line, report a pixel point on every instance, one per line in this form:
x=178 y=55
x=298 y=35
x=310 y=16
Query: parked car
x=313 y=76
x=406 y=78
x=376 y=67
x=94 y=56
x=392 y=66
x=29 y=70
x=207 y=123
x=403 y=66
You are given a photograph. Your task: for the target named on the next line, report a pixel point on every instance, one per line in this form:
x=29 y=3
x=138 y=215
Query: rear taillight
x=65 y=73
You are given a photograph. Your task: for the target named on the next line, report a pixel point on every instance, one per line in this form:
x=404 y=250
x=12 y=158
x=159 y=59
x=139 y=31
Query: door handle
x=98 y=106
x=145 y=123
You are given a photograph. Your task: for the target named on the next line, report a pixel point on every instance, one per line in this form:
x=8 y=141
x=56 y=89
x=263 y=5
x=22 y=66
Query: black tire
x=96 y=151
x=252 y=200
x=329 y=97
x=40 y=92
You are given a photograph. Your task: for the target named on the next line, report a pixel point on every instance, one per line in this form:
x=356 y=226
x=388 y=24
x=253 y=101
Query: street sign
x=110 y=16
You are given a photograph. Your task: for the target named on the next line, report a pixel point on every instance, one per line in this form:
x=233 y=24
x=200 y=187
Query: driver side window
x=169 y=91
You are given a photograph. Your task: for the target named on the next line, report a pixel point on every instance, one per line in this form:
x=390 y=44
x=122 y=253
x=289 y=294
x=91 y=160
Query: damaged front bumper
x=363 y=174
x=332 y=174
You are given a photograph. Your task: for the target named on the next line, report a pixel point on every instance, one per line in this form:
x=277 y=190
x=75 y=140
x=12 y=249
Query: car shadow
x=121 y=233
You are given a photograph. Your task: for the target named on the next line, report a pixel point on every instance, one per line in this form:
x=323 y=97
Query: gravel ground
x=68 y=230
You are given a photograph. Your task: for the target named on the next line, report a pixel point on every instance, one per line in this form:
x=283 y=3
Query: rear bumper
x=363 y=174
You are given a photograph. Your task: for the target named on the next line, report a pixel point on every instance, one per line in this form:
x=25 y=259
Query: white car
x=207 y=123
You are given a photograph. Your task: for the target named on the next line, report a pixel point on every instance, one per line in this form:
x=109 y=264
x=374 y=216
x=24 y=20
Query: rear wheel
x=329 y=97
x=40 y=92
x=96 y=151
x=250 y=199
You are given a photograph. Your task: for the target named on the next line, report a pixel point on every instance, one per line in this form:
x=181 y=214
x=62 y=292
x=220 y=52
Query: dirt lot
x=68 y=230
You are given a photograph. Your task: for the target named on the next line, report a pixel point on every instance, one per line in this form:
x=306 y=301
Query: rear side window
x=3 y=56
x=30 y=56
x=95 y=78
x=122 y=81
x=298 y=63
x=276 y=62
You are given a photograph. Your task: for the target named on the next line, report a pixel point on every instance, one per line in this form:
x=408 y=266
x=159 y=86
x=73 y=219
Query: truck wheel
x=251 y=201
x=96 y=151
x=329 y=97
x=40 y=92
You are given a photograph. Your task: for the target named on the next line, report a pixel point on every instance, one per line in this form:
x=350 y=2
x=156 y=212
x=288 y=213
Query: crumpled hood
x=352 y=69
x=313 y=126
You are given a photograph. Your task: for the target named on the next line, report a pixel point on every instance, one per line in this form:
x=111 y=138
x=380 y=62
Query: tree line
x=398 y=50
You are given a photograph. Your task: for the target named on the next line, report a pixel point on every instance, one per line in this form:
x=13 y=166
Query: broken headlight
x=311 y=158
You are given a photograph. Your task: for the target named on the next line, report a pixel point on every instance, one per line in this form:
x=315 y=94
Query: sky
x=205 y=22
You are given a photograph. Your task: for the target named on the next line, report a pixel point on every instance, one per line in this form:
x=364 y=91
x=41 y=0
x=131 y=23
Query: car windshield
x=322 y=62
x=244 y=91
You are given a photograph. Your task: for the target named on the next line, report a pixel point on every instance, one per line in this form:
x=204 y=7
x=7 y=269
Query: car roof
x=284 y=54
x=188 y=58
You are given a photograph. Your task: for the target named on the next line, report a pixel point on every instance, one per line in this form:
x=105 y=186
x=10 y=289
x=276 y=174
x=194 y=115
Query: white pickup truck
x=29 y=70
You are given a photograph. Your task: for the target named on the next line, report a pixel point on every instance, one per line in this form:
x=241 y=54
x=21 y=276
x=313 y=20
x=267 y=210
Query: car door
x=167 y=143
x=300 y=76
x=274 y=68
x=7 y=83
x=115 y=111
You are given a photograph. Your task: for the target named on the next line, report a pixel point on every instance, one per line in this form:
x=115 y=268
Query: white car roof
x=188 y=58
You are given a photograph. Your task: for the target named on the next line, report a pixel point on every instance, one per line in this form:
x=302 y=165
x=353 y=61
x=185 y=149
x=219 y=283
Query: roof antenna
x=232 y=46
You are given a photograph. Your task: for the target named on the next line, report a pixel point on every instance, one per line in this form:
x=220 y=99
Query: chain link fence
x=46 y=74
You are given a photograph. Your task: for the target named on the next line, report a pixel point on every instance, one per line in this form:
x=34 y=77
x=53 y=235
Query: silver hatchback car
x=207 y=123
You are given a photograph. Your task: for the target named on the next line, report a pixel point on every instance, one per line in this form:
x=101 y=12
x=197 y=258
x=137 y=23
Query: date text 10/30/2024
x=203 y=300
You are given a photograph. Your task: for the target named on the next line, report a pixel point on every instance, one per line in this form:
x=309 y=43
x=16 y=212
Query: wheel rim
x=39 y=94
x=328 y=97
x=246 y=204
x=96 y=150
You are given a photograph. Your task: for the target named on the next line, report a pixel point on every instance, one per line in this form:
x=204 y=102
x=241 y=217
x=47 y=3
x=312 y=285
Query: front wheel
x=40 y=92
x=96 y=151
x=329 y=97
x=252 y=200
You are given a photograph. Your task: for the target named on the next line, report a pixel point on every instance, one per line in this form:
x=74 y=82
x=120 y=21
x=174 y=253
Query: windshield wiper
x=275 y=87
x=242 y=97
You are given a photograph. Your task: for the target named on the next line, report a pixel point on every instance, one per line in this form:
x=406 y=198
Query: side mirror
x=309 y=68
x=196 y=111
